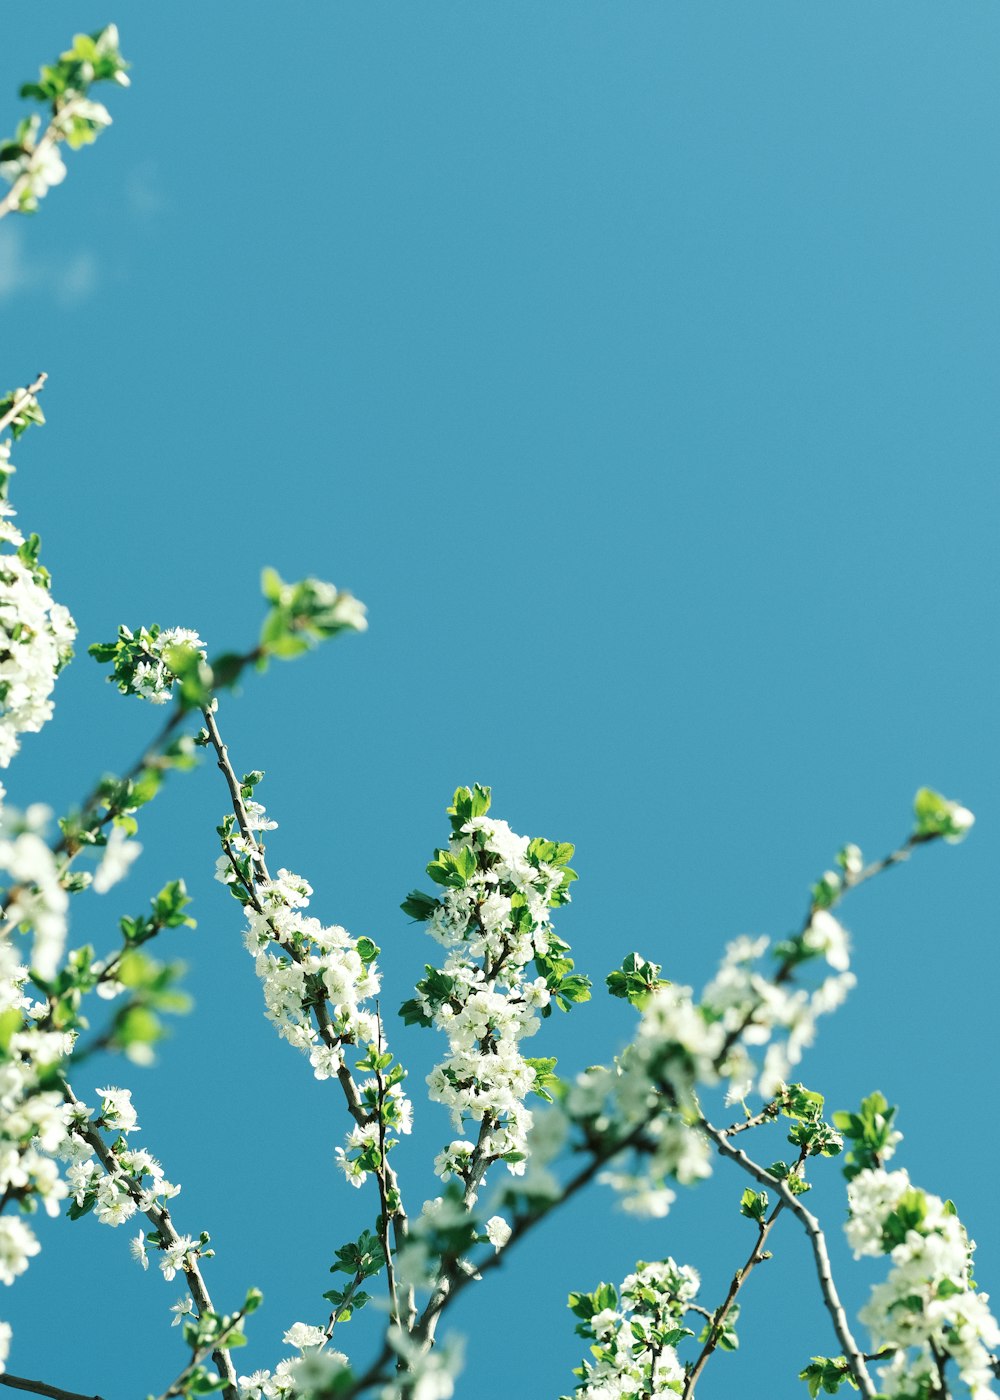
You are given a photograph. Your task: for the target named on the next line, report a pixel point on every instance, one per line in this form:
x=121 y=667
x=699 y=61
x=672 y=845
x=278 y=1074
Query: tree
x=647 y=1121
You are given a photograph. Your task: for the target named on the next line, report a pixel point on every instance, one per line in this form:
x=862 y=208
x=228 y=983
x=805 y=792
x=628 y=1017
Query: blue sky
x=636 y=364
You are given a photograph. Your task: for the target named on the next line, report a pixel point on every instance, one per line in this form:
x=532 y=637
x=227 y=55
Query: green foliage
x=810 y=1133
x=419 y=906
x=753 y=1204
x=827 y=1374
x=134 y=655
x=909 y=1214
x=790 y=1174
x=467 y=804
x=547 y=1083
x=29 y=412
x=935 y=815
x=362 y=1259
x=453 y=868
x=434 y=989
x=588 y=1305
x=869 y=1132
x=152 y=985
x=303 y=614
x=635 y=980
x=556 y=854
x=30 y=159
x=827 y=890
x=568 y=988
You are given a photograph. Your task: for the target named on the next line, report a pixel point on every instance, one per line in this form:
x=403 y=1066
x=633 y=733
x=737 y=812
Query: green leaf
x=753 y=1204
x=420 y=906
x=546 y=1080
x=367 y=950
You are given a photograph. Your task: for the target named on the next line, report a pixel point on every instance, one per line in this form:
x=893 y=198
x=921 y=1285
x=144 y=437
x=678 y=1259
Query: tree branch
x=831 y=1298
x=757 y=1255
x=390 y=1271
x=320 y=1009
x=456 y=1279
x=159 y=1217
x=176 y=1386
x=54 y=1392
x=20 y=399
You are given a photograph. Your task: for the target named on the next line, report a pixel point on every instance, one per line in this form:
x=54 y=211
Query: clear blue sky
x=637 y=365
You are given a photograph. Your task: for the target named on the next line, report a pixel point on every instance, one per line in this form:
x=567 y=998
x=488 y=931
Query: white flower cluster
x=152 y=679
x=40 y=161
x=312 y=1372
x=136 y=1185
x=765 y=1011
x=494 y=926
x=33 y=1125
x=36 y=641
x=38 y=900
x=928 y=1306
x=318 y=957
x=682 y=1045
x=300 y=961
x=119 y=854
x=628 y=1362
x=40 y=165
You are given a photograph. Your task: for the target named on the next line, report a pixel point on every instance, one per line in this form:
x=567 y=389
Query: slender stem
x=159 y=1217
x=480 y=1161
x=55 y=1392
x=757 y=1255
x=20 y=399
x=320 y=1009
x=235 y=792
x=390 y=1271
x=176 y=1386
x=349 y=1293
x=456 y=1278
x=767 y=1114
x=786 y=968
x=941 y=1361
x=831 y=1298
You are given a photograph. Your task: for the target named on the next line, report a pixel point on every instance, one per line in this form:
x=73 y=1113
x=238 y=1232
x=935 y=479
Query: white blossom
x=184 y=1307
x=303 y=1335
x=116 y=861
x=498 y=1231
x=36 y=634
x=17 y=1246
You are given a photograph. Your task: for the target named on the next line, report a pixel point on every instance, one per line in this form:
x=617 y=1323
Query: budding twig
x=828 y=1288
x=159 y=1217
x=54 y=1392
x=20 y=399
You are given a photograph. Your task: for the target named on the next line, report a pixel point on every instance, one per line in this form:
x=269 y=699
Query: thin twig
x=320 y=1009
x=767 y=1115
x=20 y=399
x=55 y=1392
x=176 y=1386
x=788 y=964
x=390 y=1271
x=459 y=1274
x=757 y=1255
x=159 y=1217
x=831 y=1298
x=459 y=1278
